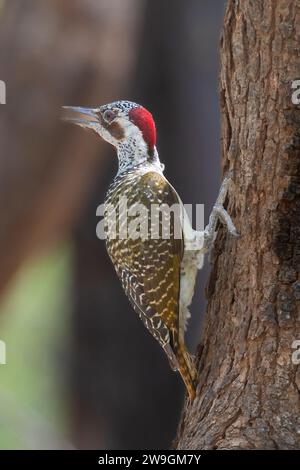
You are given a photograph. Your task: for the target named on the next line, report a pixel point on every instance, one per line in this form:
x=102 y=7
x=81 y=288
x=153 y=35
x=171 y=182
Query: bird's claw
x=220 y=213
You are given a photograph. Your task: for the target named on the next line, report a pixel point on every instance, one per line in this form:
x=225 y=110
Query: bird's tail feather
x=186 y=369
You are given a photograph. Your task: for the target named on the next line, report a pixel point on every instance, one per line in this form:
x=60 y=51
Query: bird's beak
x=84 y=117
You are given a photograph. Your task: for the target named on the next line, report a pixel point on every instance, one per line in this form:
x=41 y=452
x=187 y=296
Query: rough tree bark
x=248 y=391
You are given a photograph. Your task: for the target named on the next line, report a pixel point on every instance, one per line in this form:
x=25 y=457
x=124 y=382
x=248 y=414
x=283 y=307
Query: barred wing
x=149 y=269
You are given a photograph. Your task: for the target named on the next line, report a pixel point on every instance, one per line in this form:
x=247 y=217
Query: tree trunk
x=248 y=391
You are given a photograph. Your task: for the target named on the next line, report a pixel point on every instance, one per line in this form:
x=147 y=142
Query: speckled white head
x=126 y=125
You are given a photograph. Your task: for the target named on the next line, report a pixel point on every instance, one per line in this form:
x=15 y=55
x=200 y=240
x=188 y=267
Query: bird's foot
x=219 y=213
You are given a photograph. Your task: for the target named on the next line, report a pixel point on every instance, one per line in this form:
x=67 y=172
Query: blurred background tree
x=81 y=369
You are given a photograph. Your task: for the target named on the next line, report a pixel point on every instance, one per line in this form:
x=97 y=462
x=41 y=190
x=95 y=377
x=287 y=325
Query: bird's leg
x=219 y=213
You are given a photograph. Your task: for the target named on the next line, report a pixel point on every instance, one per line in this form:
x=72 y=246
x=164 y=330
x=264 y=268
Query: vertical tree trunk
x=248 y=391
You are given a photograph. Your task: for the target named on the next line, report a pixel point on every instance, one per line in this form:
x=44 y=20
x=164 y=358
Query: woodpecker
x=158 y=274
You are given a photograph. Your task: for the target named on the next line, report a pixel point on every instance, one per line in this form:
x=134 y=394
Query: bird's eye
x=109 y=115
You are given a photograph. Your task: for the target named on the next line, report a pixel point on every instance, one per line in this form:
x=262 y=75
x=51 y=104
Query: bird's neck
x=131 y=157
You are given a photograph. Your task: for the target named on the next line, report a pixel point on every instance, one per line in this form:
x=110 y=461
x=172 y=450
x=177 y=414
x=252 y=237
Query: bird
x=158 y=273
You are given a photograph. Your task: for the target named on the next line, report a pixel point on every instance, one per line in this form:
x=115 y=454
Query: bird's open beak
x=84 y=117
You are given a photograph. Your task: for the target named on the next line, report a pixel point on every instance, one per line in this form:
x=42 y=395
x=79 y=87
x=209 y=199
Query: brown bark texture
x=248 y=390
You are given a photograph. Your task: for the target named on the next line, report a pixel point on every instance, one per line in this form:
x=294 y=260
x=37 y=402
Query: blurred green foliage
x=34 y=323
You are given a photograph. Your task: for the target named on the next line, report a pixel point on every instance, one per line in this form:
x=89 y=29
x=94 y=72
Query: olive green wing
x=149 y=268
